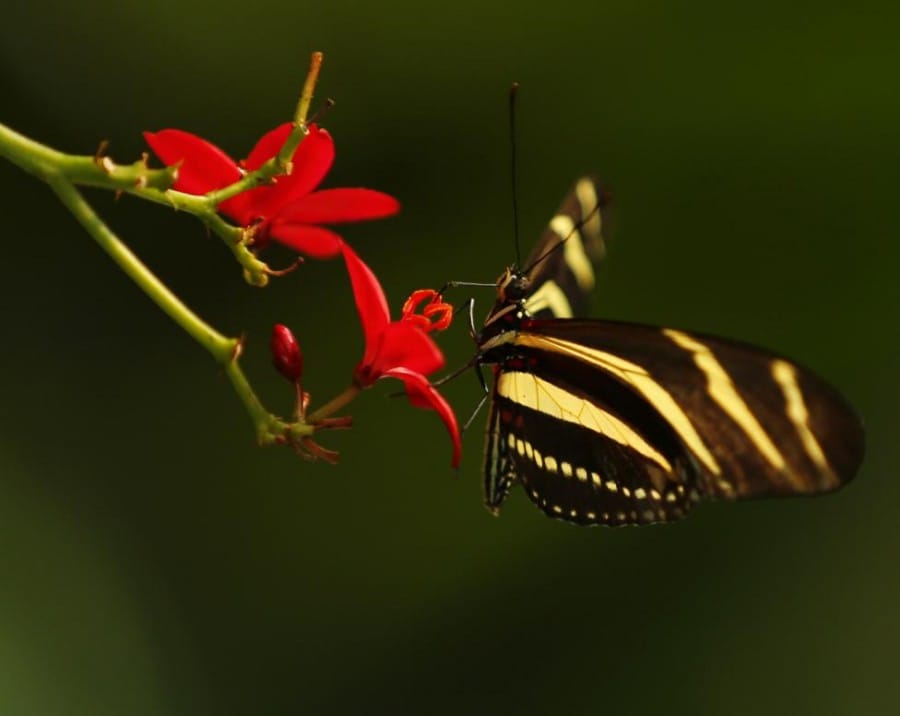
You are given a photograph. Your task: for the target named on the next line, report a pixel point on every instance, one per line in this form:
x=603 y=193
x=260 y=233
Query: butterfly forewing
x=560 y=269
x=665 y=414
x=754 y=423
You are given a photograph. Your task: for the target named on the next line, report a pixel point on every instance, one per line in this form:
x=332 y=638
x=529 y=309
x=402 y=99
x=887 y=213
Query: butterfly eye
x=517 y=287
x=512 y=286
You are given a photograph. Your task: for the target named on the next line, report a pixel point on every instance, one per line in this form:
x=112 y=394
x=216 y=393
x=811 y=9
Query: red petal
x=334 y=206
x=204 y=167
x=312 y=241
x=424 y=395
x=244 y=208
x=268 y=146
x=403 y=345
x=239 y=208
x=311 y=163
x=371 y=303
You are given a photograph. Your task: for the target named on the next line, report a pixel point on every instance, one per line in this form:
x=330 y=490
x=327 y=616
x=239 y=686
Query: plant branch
x=224 y=350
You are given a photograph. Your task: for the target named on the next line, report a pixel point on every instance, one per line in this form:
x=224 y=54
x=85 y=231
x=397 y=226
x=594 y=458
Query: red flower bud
x=286 y=355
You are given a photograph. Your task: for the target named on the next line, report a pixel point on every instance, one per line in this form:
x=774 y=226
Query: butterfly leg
x=475 y=412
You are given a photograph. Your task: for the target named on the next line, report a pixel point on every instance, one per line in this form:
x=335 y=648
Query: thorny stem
x=309 y=87
x=63 y=172
x=155 y=184
x=225 y=351
x=218 y=345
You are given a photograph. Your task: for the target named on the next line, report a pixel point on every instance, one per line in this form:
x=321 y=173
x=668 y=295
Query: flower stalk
x=273 y=194
x=65 y=172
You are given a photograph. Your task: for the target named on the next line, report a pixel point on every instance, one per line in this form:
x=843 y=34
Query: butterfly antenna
x=513 y=91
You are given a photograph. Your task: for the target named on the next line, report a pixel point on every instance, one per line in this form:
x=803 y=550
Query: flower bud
x=286 y=355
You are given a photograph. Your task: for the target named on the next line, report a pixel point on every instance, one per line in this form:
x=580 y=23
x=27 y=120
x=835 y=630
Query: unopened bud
x=286 y=355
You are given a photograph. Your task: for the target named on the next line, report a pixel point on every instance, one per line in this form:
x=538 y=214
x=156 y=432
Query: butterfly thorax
x=508 y=312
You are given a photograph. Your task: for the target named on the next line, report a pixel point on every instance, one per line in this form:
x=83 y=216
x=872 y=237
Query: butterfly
x=604 y=422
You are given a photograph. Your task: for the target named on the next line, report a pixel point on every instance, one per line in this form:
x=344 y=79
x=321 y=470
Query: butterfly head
x=512 y=286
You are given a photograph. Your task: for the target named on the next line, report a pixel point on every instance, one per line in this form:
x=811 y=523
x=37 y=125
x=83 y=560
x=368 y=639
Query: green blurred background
x=153 y=560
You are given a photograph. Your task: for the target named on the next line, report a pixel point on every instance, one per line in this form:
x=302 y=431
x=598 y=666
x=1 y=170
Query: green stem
x=34 y=157
x=333 y=405
x=268 y=428
x=224 y=350
x=309 y=88
x=218 y=345
x=151 y=184
x=42 y=161
x=64 y=171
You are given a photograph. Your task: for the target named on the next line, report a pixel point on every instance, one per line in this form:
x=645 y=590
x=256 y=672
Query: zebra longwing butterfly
x=614 y=423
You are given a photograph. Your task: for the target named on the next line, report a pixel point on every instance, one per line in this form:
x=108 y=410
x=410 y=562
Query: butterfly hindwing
x=577 y=461
x=499 y=473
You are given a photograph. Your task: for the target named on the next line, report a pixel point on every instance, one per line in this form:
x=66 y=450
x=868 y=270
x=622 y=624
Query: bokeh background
x=153 y=560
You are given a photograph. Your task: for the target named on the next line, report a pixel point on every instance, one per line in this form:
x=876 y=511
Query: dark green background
x=154 y=561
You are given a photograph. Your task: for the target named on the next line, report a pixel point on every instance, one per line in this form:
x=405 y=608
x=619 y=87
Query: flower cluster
x=291 y=210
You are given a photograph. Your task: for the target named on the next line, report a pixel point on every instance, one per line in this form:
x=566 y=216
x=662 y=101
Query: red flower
x=288 y=210
x=400 y=349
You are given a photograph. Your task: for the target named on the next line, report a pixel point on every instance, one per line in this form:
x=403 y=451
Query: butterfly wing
x=562 y=276
x=639 y=422
x=561 y=279
x=499 y=472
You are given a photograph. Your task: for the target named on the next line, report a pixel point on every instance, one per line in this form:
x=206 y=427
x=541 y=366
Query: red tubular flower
x=398 y=349
x=289 y=210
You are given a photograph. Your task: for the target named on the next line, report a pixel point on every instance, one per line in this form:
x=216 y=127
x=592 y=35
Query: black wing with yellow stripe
x=558 y=280
x=614 y=423
x=560 y=268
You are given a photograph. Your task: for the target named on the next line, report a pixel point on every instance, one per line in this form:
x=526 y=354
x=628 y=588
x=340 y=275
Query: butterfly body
x=614 y=423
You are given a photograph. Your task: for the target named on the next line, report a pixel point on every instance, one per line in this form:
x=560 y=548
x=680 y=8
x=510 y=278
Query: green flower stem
x=64 y=171
x=151 y=184
x=281 y=162
x=309 y=88
x=269 y=428
x=155 y=184
x=33 y=157
x=219 y=346
x=333 y=405
x=41 y=161
x=225 y=351
x=256 y=271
